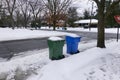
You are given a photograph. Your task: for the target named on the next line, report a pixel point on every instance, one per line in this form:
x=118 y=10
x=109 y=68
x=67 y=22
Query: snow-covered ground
x=107 y=30
x=7 y=34
x=16 y=34
x=91 y=63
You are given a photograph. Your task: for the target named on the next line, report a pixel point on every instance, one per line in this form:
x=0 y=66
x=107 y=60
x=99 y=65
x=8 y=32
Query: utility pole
x=91 y=16
x=117 y=33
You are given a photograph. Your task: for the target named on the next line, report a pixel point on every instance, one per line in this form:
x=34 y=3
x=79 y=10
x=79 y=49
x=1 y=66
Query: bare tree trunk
x=54 y=21
x=101 y=25
x=103 y=12
x=101 y=32
x=54 y=24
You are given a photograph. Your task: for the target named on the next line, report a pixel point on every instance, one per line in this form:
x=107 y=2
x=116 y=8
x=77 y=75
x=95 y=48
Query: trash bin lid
x=55 y=39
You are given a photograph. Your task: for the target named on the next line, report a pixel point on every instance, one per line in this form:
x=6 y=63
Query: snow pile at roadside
x=92 y=64
x=16 y=34
x=24 y=64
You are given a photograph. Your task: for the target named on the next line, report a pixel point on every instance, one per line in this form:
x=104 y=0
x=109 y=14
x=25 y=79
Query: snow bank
x=92 y=64
x=19 y=68
x=62 y=70
x=25 y=64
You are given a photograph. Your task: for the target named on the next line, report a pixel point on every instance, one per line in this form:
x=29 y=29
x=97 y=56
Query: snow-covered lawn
x=16 y=34
x=91 y=63
x=107 y=30
x=7 y=34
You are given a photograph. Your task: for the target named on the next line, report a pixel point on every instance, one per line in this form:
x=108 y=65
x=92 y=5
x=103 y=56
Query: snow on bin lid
x=73 y=35
x=55 y=38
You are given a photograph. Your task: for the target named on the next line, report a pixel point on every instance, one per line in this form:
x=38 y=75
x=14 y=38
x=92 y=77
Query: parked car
x=86 y=26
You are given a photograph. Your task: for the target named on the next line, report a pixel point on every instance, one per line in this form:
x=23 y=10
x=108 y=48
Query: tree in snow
x=86 y=14
x=72 y=16
x=25 y=10
x=11 y=5
x=36 y=7
x=103 y=12
x=55 y=8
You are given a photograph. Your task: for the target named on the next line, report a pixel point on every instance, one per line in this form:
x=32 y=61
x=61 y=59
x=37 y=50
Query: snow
x=67 y=66
x=7 y=34
x=21 y=66
x=55 y=38
x=107 y=30
x=87 y=21
x=26 y=63
x=91 y=63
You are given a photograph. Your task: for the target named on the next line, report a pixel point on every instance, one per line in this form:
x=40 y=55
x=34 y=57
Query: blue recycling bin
x=72 y=44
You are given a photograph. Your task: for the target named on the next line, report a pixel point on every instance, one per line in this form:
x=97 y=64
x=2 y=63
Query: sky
x=83 y=5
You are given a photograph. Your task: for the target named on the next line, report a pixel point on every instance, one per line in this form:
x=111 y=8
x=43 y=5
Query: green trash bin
x=55 y=45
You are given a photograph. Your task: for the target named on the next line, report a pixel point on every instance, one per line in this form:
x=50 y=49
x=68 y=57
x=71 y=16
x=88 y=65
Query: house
x=60 y=23
x=87 y=22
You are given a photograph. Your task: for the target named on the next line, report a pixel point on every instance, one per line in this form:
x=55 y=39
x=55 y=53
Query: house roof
x=94 y=21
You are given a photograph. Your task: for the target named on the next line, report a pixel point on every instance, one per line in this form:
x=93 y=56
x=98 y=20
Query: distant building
x=60 y=23
x=87 y=22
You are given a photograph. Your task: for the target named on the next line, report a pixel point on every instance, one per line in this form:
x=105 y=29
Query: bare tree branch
x=36 y=8
x=56 y=8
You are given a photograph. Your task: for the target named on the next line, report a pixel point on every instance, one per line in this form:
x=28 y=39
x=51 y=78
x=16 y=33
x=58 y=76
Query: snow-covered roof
x=95 y=21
